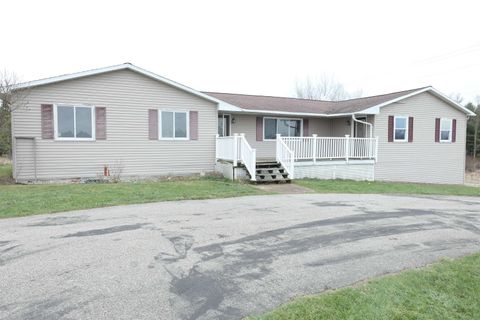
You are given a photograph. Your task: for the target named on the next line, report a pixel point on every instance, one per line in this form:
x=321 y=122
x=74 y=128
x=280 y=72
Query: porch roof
x=366 y=105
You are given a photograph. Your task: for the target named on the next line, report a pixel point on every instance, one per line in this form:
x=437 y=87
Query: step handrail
x=248 y=156
x=236 y=148
x=285 y=156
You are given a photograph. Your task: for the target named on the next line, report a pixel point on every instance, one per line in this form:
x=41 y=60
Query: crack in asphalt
x=9 y=256
x=59 y=221
x=350 y=219
x=99 y=232
x=216 y=280
x=249 y=257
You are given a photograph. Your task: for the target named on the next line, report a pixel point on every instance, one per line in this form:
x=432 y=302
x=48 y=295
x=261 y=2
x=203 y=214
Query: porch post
x=235 y=149
x=352 y=126
x=347 y=146
x=370 y=148
x=216 y=146
x=314 y=148
x=277 y=149
x=254 y=164
x=240 y=146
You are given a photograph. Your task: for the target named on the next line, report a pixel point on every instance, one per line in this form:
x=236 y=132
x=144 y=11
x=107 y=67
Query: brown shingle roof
x=284 y=104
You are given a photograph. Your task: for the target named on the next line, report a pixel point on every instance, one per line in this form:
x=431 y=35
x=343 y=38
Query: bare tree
x=476 y=125
x=323 y=87
x=11 y=98
x=457 y=97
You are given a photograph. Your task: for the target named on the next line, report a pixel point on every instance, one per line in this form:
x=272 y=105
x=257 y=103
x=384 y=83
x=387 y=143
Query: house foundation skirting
x=362 y=170
x=227 y=169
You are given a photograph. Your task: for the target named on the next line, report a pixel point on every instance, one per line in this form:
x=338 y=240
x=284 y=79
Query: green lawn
x=23 y=200
x=349 y=186
x=5 y=173
x=446 y=290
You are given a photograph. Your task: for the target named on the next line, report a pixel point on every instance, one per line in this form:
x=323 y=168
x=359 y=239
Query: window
x=445 y=130
x=173 y=125
x=74 y=122
x=270 y=129
x=401 y=129
x=282 y=126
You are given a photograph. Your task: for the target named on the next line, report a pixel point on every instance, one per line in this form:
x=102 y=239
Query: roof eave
x=450 y=101
x=376 y=109
x=288 y=113
x=124 y=66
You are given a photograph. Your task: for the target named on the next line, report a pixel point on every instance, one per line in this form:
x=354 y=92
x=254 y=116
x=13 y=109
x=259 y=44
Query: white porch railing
x=285 y=156
x=226 y=149
x=236 y=148
x=248 y=156
x=290 y=149
x=320 y=148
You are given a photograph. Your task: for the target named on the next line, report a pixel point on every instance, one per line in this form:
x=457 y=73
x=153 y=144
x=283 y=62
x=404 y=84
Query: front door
x=223 y=125
x=360 y=129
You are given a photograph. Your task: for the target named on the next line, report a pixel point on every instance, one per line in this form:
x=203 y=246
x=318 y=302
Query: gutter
x=363 y=122
x=298 y=114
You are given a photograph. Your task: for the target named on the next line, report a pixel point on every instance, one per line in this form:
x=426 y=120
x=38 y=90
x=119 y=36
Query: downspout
x=371 y=134
x=365 y=123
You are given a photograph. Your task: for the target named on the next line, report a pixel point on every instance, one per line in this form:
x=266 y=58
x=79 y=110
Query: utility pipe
x=363 y=122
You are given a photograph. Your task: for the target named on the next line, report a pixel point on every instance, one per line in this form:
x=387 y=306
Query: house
x=127 y=121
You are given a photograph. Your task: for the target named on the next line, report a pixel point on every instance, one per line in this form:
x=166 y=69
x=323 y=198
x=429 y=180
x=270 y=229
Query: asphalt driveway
x=219 y=259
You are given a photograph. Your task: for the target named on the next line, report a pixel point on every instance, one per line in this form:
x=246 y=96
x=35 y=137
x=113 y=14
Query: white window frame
x=173 y=111
x=55 y=120
x=450 y=131
x=276 y=126
x=395 y=128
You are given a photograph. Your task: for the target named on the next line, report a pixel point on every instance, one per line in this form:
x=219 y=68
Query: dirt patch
x=5 y=161
x=284 y=188
x=472 y=178
x=5 y=181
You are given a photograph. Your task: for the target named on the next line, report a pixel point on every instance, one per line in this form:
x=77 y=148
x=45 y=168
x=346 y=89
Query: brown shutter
x=47 y=121
x=152 y=124
x=193 y=125
x=100 y=123
x=410 y=129
x=454 y=130
x=259 y=128
x=305 y=128
x=390 y=128
x=437 y=130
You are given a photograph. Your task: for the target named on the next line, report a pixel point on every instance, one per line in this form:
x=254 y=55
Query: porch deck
x=328 y=154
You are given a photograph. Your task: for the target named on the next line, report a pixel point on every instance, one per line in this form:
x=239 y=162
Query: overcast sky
x=257 y=47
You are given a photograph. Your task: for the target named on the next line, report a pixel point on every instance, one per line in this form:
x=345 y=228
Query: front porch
x=300 y=157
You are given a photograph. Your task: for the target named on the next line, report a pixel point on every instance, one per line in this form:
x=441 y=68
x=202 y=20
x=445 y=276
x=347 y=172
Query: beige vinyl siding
x=323 y=127
x=340 y=126
x=25 y=165
x=127 y=97
x=423 y=160
x=247 y=124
